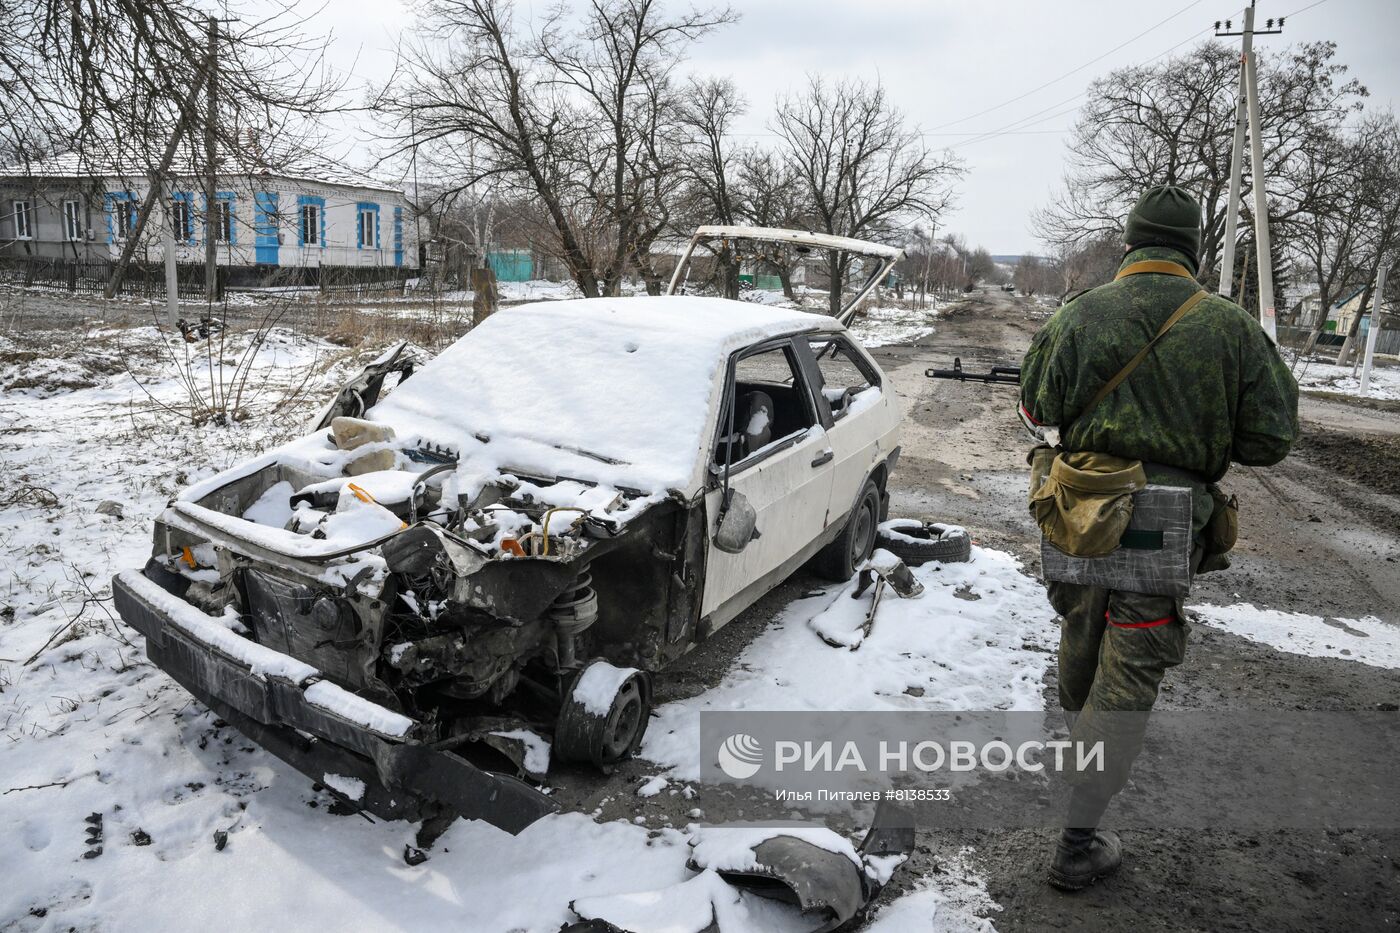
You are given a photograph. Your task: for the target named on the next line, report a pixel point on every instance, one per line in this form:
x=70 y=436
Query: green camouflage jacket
x=1213 y=390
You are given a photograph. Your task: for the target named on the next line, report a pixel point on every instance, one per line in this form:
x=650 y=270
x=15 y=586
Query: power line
x=1073 y=71
x=1031 y=118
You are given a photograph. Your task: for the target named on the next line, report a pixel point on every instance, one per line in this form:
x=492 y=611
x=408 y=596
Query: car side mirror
x=737 y=524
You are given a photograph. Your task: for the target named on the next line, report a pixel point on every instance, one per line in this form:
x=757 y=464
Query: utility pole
x=1248 y=105
x=1374 y=331
x=211 y=260
x=172 y=280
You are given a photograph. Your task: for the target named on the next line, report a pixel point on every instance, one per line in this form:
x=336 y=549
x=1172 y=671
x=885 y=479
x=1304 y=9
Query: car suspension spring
x=573 y=612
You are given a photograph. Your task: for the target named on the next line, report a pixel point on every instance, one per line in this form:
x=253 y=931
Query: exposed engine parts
x=572 y=614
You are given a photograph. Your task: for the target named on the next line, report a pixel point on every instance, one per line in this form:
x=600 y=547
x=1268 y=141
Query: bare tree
x=771 y=194
x=865 y=171
x=708 y=109
x=1172 y=123
x=1379 y=193
x=1035 y=275
x=708 y=162
x=575 y=117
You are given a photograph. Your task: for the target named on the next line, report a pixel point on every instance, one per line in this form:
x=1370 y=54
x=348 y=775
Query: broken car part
x=802 y=241
x=881 y=570
x=823 y=881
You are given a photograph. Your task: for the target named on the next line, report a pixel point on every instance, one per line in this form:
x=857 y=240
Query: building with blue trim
x=302 y=214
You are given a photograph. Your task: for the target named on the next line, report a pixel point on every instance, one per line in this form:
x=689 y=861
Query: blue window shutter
x=398 y=235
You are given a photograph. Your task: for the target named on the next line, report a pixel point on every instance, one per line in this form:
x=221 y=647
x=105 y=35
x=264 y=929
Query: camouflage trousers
x=1115 y=648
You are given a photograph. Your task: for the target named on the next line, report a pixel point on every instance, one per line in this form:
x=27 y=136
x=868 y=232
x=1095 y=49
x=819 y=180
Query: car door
x=784 y=474
x=864 y=417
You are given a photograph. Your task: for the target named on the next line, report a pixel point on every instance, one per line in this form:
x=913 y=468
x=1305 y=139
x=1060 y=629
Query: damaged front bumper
x=313 y=725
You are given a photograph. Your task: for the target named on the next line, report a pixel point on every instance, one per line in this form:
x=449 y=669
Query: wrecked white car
x=438 y=589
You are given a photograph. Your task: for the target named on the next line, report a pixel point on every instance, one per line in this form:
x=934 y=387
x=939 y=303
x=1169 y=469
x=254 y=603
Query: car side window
x=771 y=404
x=845 y=374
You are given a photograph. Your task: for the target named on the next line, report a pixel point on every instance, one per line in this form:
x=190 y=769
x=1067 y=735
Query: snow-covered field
x=127 y=805
x=1385 y=379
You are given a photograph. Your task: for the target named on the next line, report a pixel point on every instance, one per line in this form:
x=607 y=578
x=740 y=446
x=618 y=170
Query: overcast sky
x=962 y=69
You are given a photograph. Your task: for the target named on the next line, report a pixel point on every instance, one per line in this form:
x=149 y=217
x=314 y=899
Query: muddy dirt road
x=1321 y=534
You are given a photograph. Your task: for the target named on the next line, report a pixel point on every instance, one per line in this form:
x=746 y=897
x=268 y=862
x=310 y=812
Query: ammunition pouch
x=1221 y=532
x=1085 y=502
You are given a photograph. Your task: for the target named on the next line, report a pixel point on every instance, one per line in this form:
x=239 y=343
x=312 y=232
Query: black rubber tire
x=947 y=544
x=604 y=741
x=839 y=559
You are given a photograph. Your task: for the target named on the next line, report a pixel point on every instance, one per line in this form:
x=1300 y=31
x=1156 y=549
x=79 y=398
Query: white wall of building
x=391 y=241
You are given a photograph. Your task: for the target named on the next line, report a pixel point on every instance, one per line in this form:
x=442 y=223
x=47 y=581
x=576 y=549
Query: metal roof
x=304 y=167
x=803 y=238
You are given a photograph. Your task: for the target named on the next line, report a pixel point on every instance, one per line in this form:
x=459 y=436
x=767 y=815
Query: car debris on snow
x=738 y=867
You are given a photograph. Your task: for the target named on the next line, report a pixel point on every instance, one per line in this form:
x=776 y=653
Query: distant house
x=300 y=214
x=1306 y=311
x=1339 y=316
x=1345 y=311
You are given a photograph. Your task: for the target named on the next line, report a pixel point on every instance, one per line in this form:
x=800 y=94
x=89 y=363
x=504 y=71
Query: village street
x=1319 y=545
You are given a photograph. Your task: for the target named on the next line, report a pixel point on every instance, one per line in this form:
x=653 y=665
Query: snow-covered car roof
x=616 y=391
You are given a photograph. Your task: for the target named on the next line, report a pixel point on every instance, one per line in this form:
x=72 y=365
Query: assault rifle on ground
x=1007 y=375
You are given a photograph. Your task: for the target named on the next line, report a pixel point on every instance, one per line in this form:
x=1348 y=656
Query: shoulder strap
x=1160 y=266
x=1127 y=370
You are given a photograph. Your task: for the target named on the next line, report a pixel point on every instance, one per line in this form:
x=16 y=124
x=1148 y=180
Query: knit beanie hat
x=1165 y=216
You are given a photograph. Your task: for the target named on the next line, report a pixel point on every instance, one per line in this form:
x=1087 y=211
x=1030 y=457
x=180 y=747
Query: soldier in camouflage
x=1213 y=391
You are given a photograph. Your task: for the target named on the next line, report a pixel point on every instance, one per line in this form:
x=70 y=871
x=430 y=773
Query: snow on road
x=89 y=726
x=1367 y=640
x=954 y=901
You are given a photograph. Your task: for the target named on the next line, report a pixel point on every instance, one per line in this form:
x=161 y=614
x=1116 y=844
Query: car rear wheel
x=839 y=559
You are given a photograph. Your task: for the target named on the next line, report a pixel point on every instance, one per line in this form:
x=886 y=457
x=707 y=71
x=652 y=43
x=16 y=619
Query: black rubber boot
x=1082 y=856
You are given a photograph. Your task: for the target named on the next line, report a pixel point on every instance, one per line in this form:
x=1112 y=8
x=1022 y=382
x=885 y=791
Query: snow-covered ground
x=965 y=644
x=126 y=804
x=881 y=326
x=1385 y=379
x=1367 y=640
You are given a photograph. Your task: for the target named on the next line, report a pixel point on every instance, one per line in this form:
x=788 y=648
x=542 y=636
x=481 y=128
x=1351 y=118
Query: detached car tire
x=839 y=559
x=916 y=542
